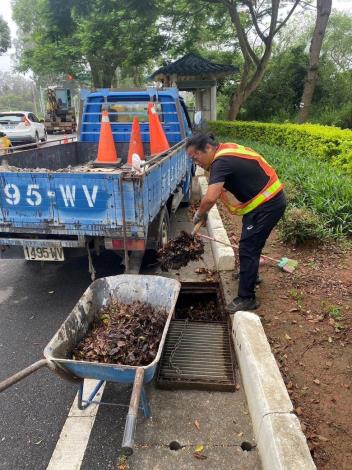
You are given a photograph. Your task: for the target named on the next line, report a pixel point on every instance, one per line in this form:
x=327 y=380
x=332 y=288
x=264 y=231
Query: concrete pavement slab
x=218 y=457
x=222 y=418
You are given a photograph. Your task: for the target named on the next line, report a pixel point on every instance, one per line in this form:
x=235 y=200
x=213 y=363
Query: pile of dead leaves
x=180 y=251
x=123 y=334
x=200 y=311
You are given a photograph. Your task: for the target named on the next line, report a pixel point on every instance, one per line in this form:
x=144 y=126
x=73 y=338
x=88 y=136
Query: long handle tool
x=286 y=264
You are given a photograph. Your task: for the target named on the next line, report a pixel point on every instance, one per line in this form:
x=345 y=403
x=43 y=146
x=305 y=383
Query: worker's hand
x=200 y=217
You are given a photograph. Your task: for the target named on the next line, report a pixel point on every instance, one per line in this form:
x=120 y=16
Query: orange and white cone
x=107 y=154
x=158 y=140
x=136 y=145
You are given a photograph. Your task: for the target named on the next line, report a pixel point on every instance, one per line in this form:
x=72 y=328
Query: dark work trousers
x=256 y=228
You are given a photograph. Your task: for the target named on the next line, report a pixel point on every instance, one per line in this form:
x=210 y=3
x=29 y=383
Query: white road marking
x=74 y=437
x=5 y=294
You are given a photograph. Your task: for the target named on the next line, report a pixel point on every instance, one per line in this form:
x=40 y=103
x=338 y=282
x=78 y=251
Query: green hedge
x=324 y=142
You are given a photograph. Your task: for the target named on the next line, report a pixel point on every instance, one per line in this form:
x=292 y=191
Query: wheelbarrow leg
x=83 y=404
x=145 y=404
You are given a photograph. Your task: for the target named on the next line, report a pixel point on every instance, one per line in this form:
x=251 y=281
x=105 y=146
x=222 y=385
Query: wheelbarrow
x=160 y=292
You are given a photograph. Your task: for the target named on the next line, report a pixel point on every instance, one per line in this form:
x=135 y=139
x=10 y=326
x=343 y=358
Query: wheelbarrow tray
x=158 y=291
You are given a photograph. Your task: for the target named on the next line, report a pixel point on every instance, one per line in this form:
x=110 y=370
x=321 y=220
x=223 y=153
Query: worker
x=249 y=187
x=5 y=144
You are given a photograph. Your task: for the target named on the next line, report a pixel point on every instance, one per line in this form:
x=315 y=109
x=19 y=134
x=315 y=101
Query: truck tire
x=158 y=235
x=187 y=198
x=163 y=229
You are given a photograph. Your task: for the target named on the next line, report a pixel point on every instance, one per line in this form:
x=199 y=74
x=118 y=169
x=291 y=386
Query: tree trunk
x=102 y=75
x=323 y=13
x=248 y=84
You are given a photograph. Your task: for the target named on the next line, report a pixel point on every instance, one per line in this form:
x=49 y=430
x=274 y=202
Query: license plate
x=37 y=253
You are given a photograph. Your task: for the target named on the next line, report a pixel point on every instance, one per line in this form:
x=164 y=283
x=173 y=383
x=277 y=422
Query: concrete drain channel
x=198 y=351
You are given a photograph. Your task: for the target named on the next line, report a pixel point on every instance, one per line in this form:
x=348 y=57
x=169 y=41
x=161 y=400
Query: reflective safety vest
x=273 y=186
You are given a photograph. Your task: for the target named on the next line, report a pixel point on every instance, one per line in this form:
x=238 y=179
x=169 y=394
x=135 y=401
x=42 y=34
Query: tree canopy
x=79 y=36
x=5 y=37
x=120 y=42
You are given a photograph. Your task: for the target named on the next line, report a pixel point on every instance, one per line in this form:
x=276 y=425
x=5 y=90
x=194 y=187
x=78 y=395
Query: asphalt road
x=34 y=300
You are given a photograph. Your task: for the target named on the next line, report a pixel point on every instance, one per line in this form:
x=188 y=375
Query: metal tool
x=197 y=228
x=286 y=264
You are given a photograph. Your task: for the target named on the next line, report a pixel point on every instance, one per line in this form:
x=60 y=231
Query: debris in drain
x=123 y=334
x=200 y=311
x=211 y=275
x=180 y=251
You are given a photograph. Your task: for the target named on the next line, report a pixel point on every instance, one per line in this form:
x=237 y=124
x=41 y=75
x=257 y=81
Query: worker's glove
x=200 y=217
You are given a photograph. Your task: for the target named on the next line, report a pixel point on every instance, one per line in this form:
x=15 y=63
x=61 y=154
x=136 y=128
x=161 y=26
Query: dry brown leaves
x=180 y=251
x=123 y=334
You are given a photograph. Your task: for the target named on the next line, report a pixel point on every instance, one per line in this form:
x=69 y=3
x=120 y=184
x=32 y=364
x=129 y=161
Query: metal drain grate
x=197 y=355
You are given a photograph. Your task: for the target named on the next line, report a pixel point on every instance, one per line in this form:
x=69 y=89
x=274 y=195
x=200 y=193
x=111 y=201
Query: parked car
x=22 y=127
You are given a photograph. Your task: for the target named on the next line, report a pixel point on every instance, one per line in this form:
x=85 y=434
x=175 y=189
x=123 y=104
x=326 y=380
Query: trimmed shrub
x=327 y=143
x=300 y=225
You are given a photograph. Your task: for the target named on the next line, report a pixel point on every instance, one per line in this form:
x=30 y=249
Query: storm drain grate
x=197 y=355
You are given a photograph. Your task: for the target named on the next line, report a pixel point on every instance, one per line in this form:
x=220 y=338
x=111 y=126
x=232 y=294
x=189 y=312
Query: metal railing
x=61 y=140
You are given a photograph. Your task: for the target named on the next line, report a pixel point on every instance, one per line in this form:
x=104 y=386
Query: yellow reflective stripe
x=256 y=201
x=233 y=152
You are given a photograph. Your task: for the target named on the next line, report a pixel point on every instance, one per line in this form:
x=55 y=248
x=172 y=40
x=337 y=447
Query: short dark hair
x=201 y=140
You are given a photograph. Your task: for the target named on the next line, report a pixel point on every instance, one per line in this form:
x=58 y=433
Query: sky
x=6 y=12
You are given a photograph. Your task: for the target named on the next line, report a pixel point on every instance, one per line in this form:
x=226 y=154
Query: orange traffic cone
x=65 y=139
x=158 y=140
x=107 y=154
x=136 y=145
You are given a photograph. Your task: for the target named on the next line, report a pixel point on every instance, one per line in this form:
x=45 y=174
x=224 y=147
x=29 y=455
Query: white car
x=22 y=127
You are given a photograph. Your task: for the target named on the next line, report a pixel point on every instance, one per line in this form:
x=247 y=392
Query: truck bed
x=54 y=190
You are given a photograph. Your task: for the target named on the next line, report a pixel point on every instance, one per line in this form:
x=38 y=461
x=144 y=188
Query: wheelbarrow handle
x=130 y=426
x=22 y=374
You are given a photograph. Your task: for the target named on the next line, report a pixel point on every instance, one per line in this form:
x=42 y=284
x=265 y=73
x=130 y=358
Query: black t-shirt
x=242 y=177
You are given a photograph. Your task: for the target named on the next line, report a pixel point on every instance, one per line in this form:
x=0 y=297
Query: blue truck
x=54 y=203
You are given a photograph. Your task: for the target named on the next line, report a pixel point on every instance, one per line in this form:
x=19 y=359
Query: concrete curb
x=223 y=255
x=281 y=442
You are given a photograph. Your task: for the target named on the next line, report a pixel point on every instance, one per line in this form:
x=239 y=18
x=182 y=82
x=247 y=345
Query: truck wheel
x=164 y=229
x=187 y=197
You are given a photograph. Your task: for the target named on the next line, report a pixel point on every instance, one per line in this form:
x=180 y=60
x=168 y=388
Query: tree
x=323 y=13
x=337 y=45
x=77 y=36
x=278 y=95
x=5 y=37
x=264 y=19
x=17 y=92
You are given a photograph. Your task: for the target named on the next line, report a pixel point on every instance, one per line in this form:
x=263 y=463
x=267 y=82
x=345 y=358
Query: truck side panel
x=88 y=203
x=78 y=204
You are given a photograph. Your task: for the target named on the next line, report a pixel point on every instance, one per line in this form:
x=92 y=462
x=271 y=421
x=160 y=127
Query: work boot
x=242 y=303
x=258 y=281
